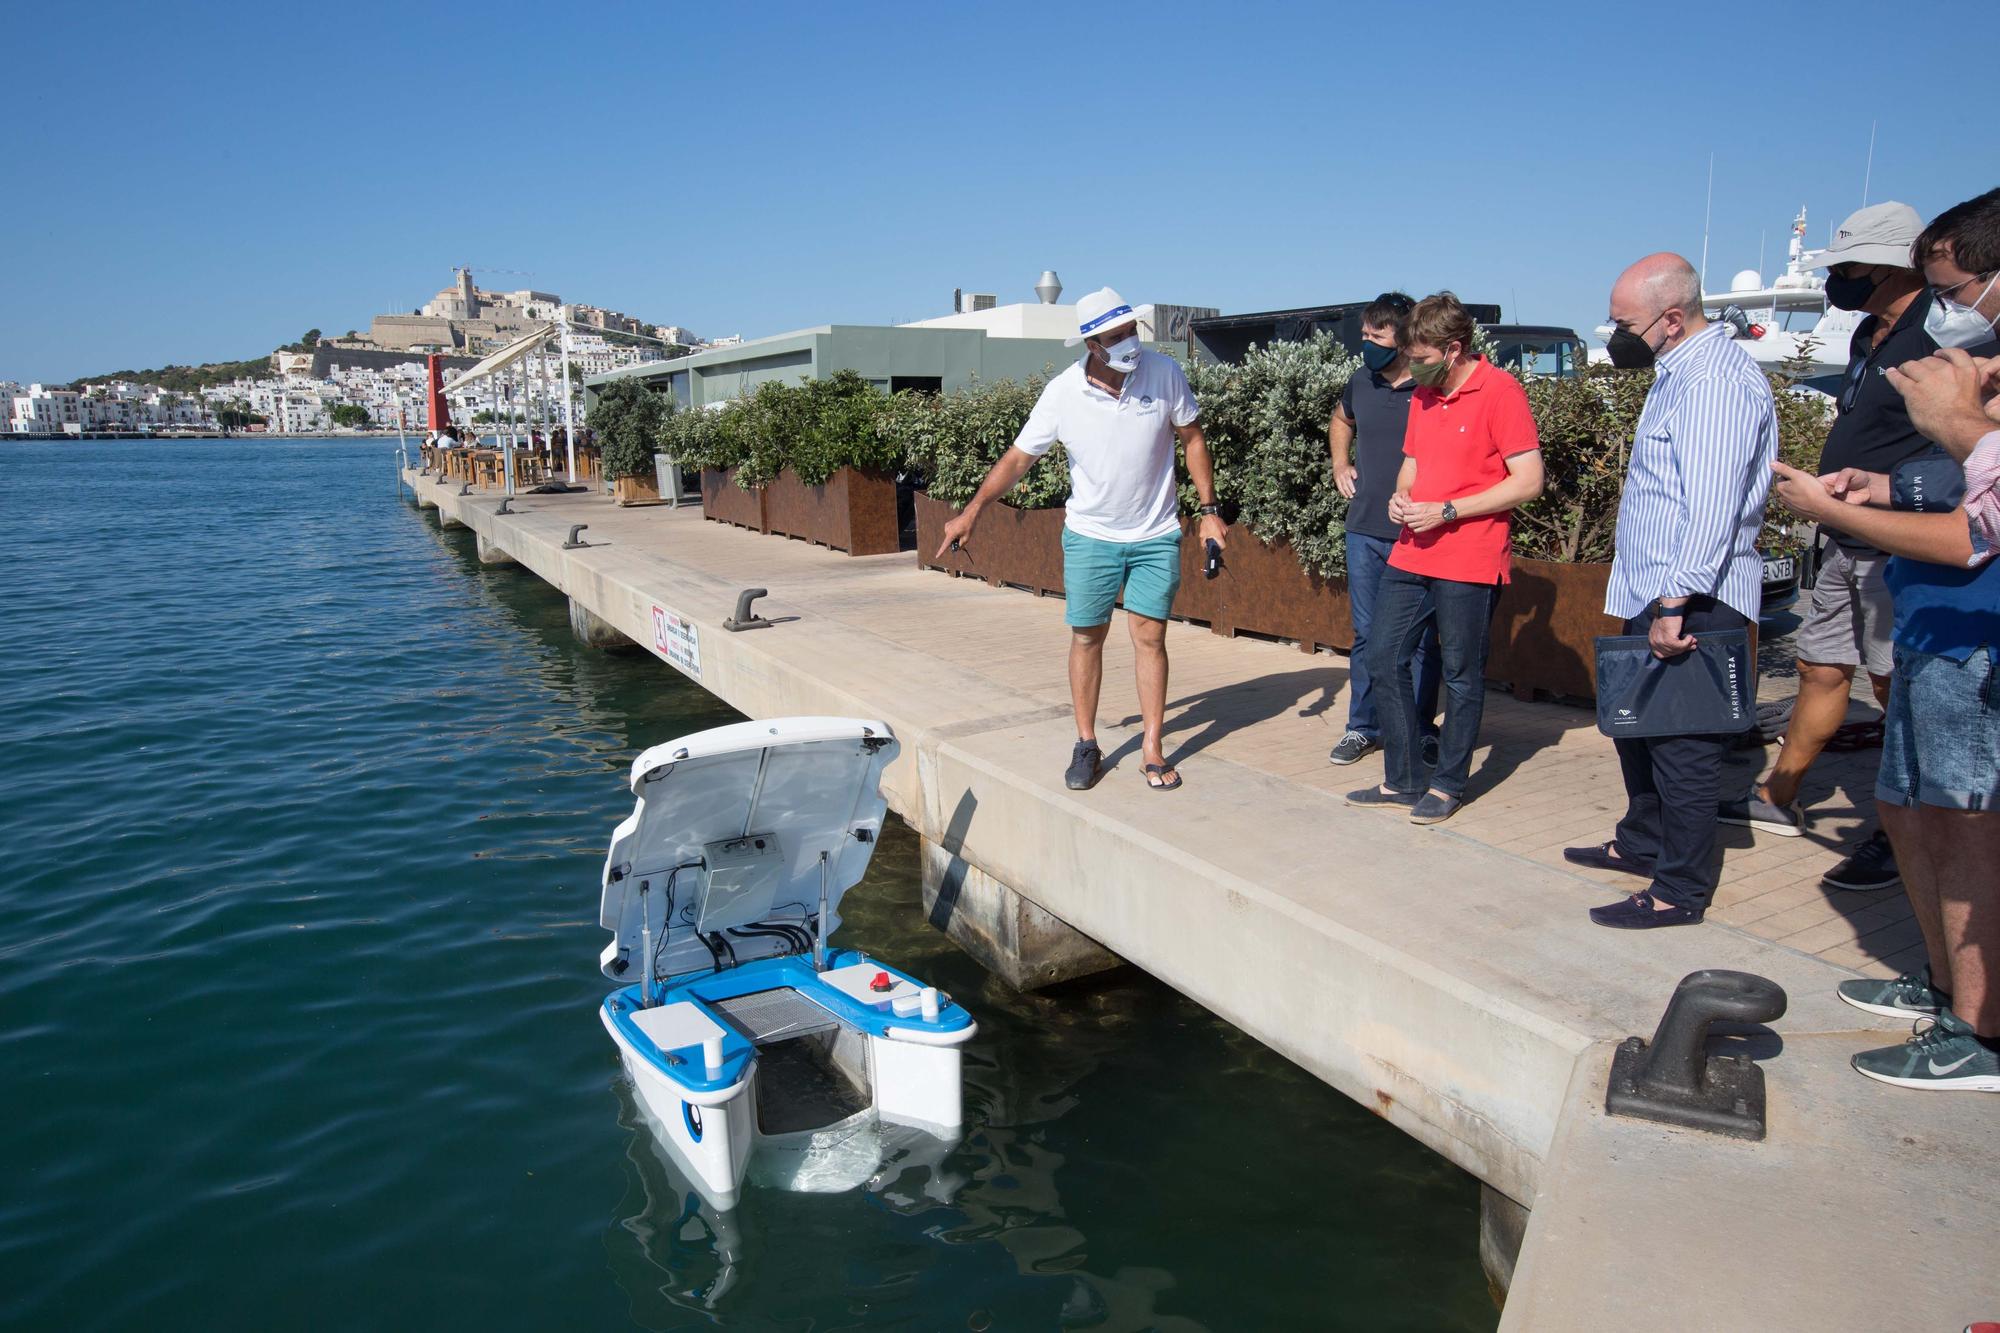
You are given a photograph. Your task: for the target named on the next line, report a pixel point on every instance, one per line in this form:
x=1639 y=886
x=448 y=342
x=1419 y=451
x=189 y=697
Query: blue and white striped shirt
x=1700 y=470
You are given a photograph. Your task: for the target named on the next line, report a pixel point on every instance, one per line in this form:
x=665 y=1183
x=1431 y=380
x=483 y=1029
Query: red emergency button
x=883 y=981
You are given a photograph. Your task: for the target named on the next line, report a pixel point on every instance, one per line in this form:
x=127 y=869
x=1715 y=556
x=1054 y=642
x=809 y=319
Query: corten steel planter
x=1020 y=548
x=1263 y=590
x=852 y=511
x=726 y=502
x=1545 y=628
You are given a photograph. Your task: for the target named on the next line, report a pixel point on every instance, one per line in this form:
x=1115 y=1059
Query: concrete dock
x=1446 y=978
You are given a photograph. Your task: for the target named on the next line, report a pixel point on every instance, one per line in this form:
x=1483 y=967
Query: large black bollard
x=1676 y=1081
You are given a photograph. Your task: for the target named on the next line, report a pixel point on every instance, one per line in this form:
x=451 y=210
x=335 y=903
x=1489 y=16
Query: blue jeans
x=1367 y=557
x=1464 y=619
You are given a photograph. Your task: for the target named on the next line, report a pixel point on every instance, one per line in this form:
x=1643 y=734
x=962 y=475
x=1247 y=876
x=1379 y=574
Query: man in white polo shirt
x=1117 y=412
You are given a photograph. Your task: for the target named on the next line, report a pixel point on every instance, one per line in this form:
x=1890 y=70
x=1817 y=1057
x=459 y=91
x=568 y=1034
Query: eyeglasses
x=1948 y=293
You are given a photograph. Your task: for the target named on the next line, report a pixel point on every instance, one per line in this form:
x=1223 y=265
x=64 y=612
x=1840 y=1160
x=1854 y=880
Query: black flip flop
x=1159 y=770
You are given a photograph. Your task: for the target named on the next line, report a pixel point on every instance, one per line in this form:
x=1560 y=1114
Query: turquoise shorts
x=1095 y=572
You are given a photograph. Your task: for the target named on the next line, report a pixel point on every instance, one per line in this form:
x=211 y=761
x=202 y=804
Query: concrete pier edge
x=1452 y=988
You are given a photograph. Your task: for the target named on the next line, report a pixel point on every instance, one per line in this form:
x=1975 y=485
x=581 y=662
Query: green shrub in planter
x=955 y=438
x=1265 y=421
x=626 y=419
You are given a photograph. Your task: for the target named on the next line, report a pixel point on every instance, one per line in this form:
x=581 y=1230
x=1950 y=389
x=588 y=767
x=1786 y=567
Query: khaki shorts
x=1851 y=622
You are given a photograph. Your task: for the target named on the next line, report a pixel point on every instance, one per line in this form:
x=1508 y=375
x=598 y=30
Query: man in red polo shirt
x=1471 y=456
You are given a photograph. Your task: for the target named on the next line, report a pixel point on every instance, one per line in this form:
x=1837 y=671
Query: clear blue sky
x=201 y=182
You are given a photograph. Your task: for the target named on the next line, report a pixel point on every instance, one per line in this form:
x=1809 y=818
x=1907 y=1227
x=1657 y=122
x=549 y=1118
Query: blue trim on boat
x=791 y=971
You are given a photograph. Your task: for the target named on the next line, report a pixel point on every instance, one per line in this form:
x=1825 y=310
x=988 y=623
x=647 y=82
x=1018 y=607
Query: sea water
x=303 y=815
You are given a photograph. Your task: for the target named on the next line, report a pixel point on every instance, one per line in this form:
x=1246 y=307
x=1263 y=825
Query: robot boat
x=751 y=1044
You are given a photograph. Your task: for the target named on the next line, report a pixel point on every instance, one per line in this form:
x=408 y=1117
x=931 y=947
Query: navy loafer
x=1638 y=913
x=1387 y=800
x=1600 y=858
x=1434 y=809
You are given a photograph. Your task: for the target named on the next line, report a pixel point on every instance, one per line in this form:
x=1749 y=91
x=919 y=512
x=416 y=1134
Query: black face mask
x=1377 y=357
x=1849 y=293
x=1629 y=350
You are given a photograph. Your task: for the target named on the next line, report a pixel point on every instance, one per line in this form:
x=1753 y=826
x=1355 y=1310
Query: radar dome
x=1749 y=280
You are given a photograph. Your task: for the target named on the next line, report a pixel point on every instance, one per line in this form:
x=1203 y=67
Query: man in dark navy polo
x=1366 y=439
x=1849 y=625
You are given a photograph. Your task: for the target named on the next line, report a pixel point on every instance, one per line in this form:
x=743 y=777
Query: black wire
x=653 y=967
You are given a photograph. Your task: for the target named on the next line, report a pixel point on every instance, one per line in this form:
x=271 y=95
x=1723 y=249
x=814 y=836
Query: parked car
x=1538 y=349
x=1785 y=576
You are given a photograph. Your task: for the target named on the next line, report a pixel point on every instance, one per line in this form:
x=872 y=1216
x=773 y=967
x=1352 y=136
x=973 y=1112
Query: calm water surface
x=303 y=814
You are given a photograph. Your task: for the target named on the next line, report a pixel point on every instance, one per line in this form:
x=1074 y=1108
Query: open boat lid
x=719 y=861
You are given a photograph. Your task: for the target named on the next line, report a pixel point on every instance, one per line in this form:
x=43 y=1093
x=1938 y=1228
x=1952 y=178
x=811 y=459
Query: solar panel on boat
x=767 y=1014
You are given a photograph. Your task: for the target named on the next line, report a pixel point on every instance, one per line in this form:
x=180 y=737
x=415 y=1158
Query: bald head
x=1649 y=289
x=1660 y=281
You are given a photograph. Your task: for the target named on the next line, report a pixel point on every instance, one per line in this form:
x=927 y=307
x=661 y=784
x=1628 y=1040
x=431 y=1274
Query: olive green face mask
x=1430 y=374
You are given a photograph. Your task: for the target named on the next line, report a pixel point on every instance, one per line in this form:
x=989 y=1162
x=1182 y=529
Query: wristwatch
x=1208 y=511
x=1450 y=512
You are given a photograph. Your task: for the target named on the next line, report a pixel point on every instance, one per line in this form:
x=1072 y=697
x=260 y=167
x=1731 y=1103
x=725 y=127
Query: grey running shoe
x=1434 y=809
x=1946 y=1055
x=1908 y=996
x=1083 y=762
x=1753 y=811
x=1871 y=866
x=1351 y=748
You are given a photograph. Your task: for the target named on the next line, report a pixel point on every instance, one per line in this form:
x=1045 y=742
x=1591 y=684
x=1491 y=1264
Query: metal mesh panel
x=769 y=1014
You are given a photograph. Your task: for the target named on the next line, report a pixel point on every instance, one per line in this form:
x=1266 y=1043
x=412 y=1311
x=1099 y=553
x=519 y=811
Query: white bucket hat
x=1878 y=234
x=1100 y=311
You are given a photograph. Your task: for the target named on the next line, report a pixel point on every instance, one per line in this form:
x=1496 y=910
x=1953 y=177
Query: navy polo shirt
x=1379 y=410
x=1873 y=429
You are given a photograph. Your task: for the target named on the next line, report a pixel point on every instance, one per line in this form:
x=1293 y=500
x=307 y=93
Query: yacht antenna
x=1706 y=211
x=1868 y=172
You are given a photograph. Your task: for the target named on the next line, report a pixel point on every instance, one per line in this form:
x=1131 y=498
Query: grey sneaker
x=1083 y=762
x=1872 y=865
x=1351 y=748
x=1908 y=996
x=1753 y=811
x=1946 y=1055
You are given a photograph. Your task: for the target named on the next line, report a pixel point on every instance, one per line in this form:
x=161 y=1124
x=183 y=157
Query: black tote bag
x=1709 y=690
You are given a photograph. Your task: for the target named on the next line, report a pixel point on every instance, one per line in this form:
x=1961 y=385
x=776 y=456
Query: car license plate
x=1779 y=569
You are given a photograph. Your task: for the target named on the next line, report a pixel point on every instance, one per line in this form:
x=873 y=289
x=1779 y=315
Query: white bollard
x=930 y=1003
x=711 y=1053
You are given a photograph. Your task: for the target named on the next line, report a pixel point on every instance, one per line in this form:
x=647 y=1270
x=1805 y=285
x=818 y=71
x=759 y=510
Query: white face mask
x=1953 y=325
x=1123 y=355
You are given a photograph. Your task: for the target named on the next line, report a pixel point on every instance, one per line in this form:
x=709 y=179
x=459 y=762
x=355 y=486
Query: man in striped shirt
x=1686 y=563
